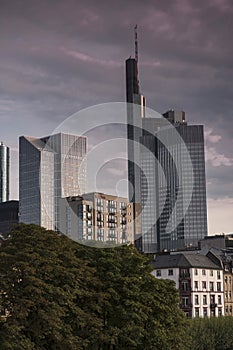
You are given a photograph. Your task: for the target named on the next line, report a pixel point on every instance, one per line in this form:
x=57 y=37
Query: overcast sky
x=57 y=57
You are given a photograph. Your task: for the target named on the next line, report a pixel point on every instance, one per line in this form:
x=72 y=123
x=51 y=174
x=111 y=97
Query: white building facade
x=198 y=279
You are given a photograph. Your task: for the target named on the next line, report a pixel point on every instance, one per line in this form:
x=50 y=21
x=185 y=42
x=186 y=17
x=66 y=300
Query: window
x=196 y=311
x=226 y=310
x=212 y=299
x=212 y=312
x=196 y=300
x=219 y=300
x=196 y=284
x=211 y=273
x=158 y=273
x=218 y=275
x=203 y=272
x=219 y=311
x=205 y=311
x=211 y=286
x=170 y=272
x=204 y=285
x=184 y=272
x=185 y=301
x=218 y=286
x=184 y=286
x=204 y=299
x=230 y=309
x=196 y=272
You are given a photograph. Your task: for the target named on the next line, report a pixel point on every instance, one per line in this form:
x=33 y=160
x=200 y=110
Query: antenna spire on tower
x=136 y=42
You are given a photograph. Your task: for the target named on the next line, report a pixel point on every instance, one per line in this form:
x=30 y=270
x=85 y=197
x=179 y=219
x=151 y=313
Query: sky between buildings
x=58 y=57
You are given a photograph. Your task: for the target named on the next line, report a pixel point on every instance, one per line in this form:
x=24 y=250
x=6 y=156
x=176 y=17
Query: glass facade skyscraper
x=50 y=168
x=4 y=172
x=135 y=113
x=171 y=173
x=166 y=178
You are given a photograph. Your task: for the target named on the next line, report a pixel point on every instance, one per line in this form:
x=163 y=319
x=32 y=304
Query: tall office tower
x=50 y=168
x=4 y=172
x=173 y=172
x=135 y=113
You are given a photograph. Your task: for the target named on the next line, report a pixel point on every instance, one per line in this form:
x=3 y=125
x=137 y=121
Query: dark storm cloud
x=60 y=56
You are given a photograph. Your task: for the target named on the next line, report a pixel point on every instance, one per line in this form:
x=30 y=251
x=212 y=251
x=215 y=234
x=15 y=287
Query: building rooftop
x=184 y=260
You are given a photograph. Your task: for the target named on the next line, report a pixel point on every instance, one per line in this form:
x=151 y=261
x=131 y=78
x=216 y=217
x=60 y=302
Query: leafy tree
x=213 y=333
x=57 y=294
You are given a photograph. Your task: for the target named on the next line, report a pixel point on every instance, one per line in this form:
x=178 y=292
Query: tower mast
x=136 y=42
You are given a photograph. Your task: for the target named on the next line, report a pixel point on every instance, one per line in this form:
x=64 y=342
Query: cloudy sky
x=58 y=57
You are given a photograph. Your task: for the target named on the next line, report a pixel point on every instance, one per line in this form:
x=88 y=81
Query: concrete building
x=198 y=279
x=9 y=215
x=97 y=217
x=50 y=168
x=4 y=172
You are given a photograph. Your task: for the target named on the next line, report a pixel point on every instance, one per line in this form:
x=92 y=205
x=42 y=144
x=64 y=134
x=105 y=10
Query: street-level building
x=97 y=217
x=198 y=279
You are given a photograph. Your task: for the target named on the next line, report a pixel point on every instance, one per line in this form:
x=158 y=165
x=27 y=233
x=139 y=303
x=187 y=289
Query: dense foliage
x=213 y=333
x=57 y=294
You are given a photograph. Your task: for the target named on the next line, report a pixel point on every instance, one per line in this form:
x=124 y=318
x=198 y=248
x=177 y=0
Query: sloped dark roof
x=183 y=260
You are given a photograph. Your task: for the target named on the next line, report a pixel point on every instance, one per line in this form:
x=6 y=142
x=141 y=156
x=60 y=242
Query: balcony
x=184 y=275
x=213 y=305
x=186 y=306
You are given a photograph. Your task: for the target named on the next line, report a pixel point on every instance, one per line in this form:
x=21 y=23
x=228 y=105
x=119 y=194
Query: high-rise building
x=135 y=113
x=49 y=168
x=4 y=172
x=174 y=170
x=162 y=175
x=97 y=217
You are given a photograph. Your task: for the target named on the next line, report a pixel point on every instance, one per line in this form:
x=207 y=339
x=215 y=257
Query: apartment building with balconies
x=97 y=217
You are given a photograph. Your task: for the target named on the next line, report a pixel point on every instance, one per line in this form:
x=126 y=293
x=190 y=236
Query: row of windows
x=203 y=272
x=228 y=279
x=204 y=299
x=205 y=312
x=204 y=285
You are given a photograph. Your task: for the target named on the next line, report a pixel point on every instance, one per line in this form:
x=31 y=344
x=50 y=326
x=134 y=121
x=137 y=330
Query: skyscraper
x=4 y=172
x=162 y=176
x=50 y=168
x=172 y=221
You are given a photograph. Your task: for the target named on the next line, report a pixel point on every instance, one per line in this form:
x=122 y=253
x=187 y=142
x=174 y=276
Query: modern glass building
x=4 y=172
x=173 y=190
x=135 y=113
x=50 y=168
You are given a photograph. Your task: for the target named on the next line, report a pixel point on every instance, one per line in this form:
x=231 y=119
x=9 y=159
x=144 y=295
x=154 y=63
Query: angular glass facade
x=50 y=168
x=171 y=173
x=4 y=172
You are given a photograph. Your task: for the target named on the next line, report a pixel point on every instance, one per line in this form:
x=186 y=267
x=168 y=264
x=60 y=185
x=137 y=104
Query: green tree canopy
x=57 y=294
x=213 y=333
